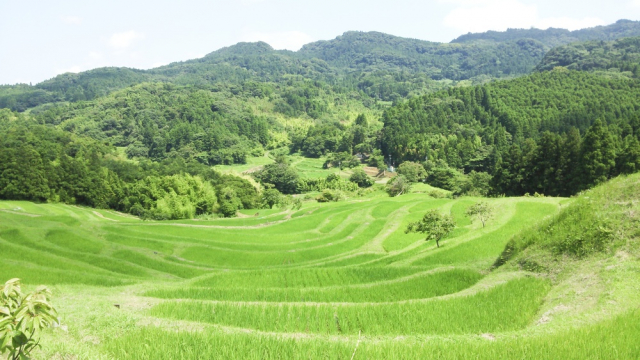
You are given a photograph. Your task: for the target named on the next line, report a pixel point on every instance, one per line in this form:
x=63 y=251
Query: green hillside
x=622 y=54
x=527 y=132
x=329 y=279
x=382 y=66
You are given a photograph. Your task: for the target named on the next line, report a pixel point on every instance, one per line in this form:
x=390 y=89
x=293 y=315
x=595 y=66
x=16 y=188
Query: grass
x=616 y=338
x=420 y=287
x=333 y=278
x=506 y=307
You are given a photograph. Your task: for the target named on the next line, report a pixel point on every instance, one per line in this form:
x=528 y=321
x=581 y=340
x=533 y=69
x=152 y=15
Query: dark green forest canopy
x=622 y=54
x=515 y=109
x=154 y=119
x=525 y=132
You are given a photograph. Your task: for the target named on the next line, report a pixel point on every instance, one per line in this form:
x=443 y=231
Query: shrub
x=22 y=317
x=398 y=185
x=361 y=178
x=330 y=195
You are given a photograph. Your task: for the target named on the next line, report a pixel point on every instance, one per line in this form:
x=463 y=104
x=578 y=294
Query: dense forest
x=622 y=55
x=518 y=128
x=469 y=116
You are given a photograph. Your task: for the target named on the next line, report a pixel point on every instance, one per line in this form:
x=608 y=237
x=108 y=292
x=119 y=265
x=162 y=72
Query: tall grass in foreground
x=611 y=339
x=506 y=307
x=437 y=284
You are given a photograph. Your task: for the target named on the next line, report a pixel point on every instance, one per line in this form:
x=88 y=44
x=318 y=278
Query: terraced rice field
x=337 y=280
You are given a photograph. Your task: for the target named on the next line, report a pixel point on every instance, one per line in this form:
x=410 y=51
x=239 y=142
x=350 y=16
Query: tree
x=22 y=317
x=229 y=202
x=361 y=178
x=481 y=210
x=413 y=171
x=270 y=197
x=398 y=185
x=598 y=155
x=434 y=224
x=280 y=175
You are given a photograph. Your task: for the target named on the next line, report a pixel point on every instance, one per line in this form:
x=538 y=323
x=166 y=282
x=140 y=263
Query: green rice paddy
x=330 y=281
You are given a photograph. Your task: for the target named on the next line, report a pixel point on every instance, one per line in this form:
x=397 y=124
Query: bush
x=361 y=178
x=398 y=185
x=413 y=171
x=330 y=195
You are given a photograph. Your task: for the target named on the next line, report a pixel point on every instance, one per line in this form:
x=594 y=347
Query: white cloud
x=499 y=15
x=290 y=40
x=634 y=3
x=74 y=20
x=125 y=39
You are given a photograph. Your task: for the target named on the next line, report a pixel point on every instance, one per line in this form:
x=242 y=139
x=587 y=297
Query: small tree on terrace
x=434 y=224
x=481 y=211
x=398 y=185
x=22 y=317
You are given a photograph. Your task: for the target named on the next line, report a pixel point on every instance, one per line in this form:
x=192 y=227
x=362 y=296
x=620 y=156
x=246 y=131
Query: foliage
x=553 y=37
x=434 y=224
x=414 y=172
x=281 y=175
x=361 y=178
x=397 y=186
x=622 y=54
x=481 y=211
x=271 y=197
x=599 y=220
x=329 y=195
x=22 y=318
x=525 y=133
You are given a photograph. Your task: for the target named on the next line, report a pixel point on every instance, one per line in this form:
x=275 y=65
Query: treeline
x=555 y=37
x=40 y=163
x=44 y=164
x=525 y=133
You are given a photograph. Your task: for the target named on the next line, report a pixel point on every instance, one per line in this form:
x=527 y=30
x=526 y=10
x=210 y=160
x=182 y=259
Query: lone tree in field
x=22 y=317
x=481 y=210
x=434 y=224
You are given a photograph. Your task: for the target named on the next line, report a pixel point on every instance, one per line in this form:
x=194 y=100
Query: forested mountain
x=554 y=37
x=371 y=51
x=144 y=141
x=382 y=66
x=622 y=54
x=526 y=132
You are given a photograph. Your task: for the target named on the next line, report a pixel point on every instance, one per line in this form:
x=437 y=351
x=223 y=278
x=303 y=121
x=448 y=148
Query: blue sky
x=40 y=39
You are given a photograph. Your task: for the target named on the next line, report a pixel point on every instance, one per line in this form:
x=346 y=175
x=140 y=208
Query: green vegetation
x=338 y=273
x=245 y=205
x=22 y=318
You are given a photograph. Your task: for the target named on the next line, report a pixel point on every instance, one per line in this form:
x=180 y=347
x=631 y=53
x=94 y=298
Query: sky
x=41 y=39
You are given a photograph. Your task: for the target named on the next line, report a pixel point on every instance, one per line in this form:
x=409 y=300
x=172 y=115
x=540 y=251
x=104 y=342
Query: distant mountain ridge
x=555 y=37
x=382 y=65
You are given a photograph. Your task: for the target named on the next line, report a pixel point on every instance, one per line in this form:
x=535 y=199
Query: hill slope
x=622 y=54
x=405 y=64
x=316 y=282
